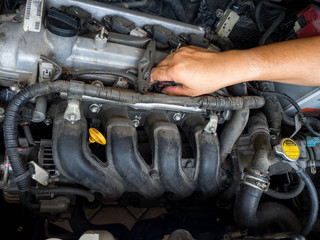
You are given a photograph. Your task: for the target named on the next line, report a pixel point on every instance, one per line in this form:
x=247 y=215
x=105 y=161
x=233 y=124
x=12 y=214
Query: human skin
x=200 y=71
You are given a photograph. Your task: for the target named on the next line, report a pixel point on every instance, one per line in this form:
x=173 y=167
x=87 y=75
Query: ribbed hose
x=126 y=96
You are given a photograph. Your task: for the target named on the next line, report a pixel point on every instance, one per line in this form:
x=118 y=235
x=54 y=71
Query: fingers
x=161 y=74
x=179 y=90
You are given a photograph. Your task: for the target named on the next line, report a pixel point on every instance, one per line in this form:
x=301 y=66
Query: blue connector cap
x=312 y=141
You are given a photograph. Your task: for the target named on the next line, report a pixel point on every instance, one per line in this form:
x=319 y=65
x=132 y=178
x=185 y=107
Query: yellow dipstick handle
x=96 y=136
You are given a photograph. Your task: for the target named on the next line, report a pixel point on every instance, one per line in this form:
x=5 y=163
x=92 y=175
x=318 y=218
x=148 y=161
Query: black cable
x=257 y=15
x=271 y=29
x=117 y=73
x=287 y=195
x=65 y=191
x=314 y=203
x=258 y=11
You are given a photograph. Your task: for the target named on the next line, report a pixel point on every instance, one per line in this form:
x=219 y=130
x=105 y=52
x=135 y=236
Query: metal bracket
x=72 y=112
x=297 y=125
x=39 y=174
x=144 y=67
x=212 y=125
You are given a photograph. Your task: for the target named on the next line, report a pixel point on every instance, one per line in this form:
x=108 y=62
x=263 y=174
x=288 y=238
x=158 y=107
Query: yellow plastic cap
x=290 y=148
x=96 y=136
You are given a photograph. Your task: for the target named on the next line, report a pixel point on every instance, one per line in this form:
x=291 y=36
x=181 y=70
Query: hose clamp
x=256 y=182
x=313 y=166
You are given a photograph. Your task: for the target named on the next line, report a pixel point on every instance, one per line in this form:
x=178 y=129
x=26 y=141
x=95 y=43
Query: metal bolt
x=14 y=87
x=136 y=122
x=94 y=108
x=177 y=117
x=72 y=118
x=102 y=32
x=47 y=121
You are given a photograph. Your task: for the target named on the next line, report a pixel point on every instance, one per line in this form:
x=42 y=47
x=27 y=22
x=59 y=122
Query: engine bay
x=83 y=129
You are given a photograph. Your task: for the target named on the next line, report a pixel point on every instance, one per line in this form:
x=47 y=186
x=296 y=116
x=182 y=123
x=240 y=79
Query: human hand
x=200 y=71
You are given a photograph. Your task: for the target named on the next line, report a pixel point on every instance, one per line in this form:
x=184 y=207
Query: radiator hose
x=255 y=181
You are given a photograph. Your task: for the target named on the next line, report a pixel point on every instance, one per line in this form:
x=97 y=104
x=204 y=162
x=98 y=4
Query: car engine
x=83 y=129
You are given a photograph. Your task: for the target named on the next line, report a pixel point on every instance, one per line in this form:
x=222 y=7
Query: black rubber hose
x=25 y=200
x=271 y=29
x=273 y=110
x=273 y=214
x=314 y=203
x=287 y=120
x=314 y=123
x=65 y=191
x=287 y=195
x=28 y=135
x=248 y=198
x=129 y=40
x=245 y=208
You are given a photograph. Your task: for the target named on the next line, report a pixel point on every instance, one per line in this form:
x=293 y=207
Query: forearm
x=294 y=62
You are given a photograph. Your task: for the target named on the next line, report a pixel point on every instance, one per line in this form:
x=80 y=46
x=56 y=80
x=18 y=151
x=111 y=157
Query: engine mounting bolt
x=177 y=116
x=136 y=122
x=94 y=108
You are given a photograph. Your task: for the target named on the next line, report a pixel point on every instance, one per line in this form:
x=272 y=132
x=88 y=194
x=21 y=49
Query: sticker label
x=290 y=148
x=33 y=16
